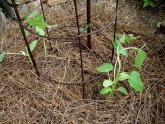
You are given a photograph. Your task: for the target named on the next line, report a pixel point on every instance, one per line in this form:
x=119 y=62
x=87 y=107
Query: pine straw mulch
x=26 y=99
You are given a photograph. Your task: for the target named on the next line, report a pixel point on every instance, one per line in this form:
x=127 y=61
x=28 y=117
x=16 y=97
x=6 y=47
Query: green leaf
x=139 y=59
x=2 y=56
x=86 y=27
x=121 y=38
x=33 y=44
x=23 y=53
x=37 y=22
x=120 y=48
x=123 y=90
x=135 y=81
x=107 y=83
x=105 y=90
x=152 y=4
x=40 y=31
x=146 y=4
x=26 y=33
x=106 y=67
x=123 y=76
x=130 y=38
x=158 y=24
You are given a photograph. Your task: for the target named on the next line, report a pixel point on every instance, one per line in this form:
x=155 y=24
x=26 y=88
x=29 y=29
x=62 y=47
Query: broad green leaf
x=107 y=83
x=33 y=44
x=120 y=48
x=139 y=59
x=106 y=67
x=135 y=81
x=105 y=90
x=23 y=53
x=37 y=22
x=40 y=31
x=2 y=56
x=26 y=33
x=123 y=76
x=123 y=90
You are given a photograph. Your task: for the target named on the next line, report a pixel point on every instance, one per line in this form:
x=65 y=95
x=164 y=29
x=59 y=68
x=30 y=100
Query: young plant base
x=133 y=78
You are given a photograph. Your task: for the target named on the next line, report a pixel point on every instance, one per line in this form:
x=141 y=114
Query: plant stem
x=134 y=48
x=109 y=76
x=13 y=53
x=110 y=95
x=116 y=76
x=45 y=48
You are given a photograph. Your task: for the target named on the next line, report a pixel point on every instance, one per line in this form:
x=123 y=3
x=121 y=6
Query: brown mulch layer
x=27 y=99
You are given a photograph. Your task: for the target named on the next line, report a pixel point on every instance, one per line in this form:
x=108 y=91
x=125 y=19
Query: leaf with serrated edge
x=123 y=76
x=2 y=56
x=135 y=81
x=105 y=90
x=139 y=59
x=123 y=90
x=33 y=45
x=107 y=83
x=106 y=67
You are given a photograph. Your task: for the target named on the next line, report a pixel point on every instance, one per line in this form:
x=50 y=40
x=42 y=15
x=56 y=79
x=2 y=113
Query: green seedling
x=110 y=85
x=25 y=53
x=37 y=21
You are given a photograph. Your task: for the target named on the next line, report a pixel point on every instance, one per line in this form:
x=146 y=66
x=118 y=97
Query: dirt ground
x=27 y=99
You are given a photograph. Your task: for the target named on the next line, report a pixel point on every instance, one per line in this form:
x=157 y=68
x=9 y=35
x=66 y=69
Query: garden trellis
x=77 y=37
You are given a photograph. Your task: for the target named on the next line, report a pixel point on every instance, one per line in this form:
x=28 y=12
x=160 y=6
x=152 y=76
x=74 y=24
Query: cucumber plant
x=110 y=85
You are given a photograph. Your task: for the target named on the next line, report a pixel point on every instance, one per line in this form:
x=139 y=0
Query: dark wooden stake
x=89 y=42
x=80 y=47
x=115 y=29
x=43 y=13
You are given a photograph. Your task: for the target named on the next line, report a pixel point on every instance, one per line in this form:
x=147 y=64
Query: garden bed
x=25 y=98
